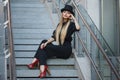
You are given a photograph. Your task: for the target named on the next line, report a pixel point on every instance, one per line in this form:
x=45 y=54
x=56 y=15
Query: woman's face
x=66 y=14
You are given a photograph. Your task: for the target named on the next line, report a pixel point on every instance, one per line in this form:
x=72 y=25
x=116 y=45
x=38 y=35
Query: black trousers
x=58 y=51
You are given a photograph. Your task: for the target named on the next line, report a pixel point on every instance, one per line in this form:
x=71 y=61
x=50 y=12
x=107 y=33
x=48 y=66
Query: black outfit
x=60 y=51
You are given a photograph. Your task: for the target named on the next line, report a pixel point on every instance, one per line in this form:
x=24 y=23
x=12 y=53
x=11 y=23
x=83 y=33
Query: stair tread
x=31 y=36
x=28 y=10
x=51 y=67
x=54 y=73
x=37 y=31
x=42 y=21
x=25 y=61
x=31 y=19
x=24 y=54
x=48 y=79
x=27 y=41
x=25 y=47
x=27 y=5
x=26 y=1
x=31 y=26
x=30 y=16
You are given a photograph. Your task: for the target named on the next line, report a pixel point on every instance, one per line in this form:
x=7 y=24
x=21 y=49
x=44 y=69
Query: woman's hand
x=76 y=23
x=72 y=17
x=43 y=45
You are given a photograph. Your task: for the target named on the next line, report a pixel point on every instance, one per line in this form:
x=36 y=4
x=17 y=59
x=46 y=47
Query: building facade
x=105 y=14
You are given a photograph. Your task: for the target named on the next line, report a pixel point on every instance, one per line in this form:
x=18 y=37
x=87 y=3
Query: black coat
x=60 y=51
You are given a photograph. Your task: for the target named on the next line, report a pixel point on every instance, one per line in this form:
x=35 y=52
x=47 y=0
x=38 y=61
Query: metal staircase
x=31 y=23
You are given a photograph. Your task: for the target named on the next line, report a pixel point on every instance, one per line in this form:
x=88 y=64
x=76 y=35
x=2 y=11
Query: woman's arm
x=48 y=41
x=76 y=23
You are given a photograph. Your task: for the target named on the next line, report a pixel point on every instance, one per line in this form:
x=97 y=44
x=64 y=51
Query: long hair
x=63 y=31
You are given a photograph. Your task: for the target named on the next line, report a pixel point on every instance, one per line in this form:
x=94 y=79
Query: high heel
x=32 y=65
x=43 y=74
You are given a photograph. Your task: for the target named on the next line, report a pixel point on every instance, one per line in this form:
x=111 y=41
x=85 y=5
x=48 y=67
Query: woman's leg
x=33 y=64
x=43 y=63
x=50 y=51
x=36 y=59
x=43 y=70
x=58 y=51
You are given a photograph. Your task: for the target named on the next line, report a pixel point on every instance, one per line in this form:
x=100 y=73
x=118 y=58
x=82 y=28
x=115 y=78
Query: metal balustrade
x=7 y=48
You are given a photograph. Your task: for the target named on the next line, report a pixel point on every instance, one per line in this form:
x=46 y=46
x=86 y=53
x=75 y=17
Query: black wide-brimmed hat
x=68 y=8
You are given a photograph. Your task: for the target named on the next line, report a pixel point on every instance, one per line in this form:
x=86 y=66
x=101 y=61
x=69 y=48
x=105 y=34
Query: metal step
x=24 y=54
x=26 y=13
x=27 y=5
x=51 y=67
x=26 y=1
x=48 y=79
x=37 y=31
x=35 y=17
x=25 y=61
x=27 y=41
x=22 y=21
x=28 y=10
x=32 y=36
x=31 y=26
x=25 y=47
x=54 y=73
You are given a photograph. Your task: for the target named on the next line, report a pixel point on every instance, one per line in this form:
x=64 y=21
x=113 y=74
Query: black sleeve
x=53 y=35
x=73 y=27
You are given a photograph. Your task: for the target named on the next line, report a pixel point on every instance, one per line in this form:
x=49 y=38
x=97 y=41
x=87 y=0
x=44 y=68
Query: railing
x=89 y=56
x=9 y=43
x=101 y=46
x=93 y=30
x=100 y=42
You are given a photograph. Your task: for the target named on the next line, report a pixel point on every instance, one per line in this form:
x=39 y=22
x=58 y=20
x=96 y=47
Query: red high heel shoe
x=32 y=65
x=43 y=74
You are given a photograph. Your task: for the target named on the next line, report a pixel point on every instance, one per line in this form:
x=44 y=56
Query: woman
x=62 y=38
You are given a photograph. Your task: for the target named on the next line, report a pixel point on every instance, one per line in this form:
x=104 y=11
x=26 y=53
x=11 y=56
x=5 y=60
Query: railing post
x=11 y=47
x=5 y=23
x=2 y=44
x=119 y=30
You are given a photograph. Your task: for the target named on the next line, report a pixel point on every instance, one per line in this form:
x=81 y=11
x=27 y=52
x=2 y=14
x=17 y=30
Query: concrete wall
x=103 y=13
x=109 y=23
x=93 y=8
x=119 y=30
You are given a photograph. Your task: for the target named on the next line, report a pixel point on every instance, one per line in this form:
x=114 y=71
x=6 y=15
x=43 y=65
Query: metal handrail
x=97 y=42
x=11 y=47
x=88 y=55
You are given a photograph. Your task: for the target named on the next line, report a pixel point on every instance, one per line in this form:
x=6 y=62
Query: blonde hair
x=63 y=31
